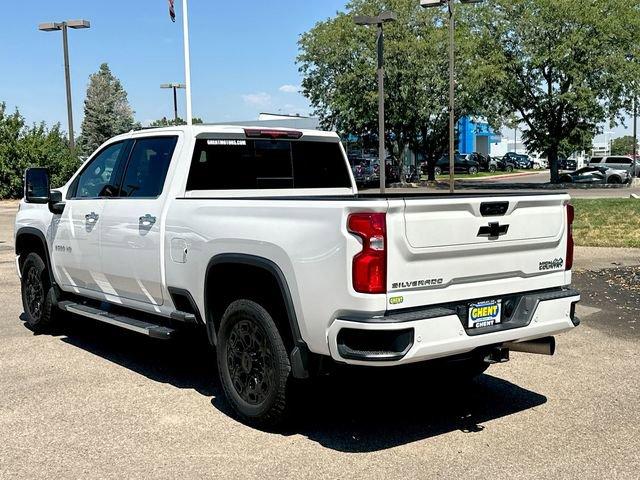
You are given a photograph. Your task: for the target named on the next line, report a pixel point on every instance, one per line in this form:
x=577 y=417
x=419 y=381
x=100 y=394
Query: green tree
x=106 y=110
x=563 y=66
x=338 y=62
x=623 y=145
x=23 y=146
x=164 y=122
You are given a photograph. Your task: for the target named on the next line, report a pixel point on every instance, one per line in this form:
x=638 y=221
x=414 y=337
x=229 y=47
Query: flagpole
x=187 y=61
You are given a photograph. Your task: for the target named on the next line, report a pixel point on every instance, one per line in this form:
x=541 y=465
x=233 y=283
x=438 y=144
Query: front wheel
x=253 y=364
x=509 y=168
x=38 y=296
x=473 y=170
x=614 y=180
x=492 y=169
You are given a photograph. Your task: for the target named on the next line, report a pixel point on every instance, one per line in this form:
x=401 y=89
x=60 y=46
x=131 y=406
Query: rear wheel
x=492 y=168
x=253 y=364
x=508 y=168
x=473 y=170
x=38 y=296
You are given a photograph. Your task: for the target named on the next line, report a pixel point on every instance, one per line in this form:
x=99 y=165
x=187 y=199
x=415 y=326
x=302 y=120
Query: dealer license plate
x=485 y=314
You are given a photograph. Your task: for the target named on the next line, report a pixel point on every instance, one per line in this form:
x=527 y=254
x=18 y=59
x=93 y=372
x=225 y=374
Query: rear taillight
x=370 y=265
x=570 y=215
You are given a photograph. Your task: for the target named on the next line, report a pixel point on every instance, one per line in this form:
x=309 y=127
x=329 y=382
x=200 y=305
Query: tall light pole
x=187 y=60
x=635 y=135
x=175 y=87
x=64 y=26
x=452 y=82
x=379 y=21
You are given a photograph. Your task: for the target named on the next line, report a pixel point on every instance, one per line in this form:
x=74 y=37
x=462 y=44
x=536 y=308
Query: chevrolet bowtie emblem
x=493 y=231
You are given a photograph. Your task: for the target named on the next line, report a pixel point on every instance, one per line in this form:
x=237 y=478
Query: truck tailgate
x=458 y=248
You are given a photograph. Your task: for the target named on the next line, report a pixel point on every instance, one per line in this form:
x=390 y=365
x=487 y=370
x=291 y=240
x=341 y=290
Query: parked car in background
x=504 y=164
x=519 y=160
x=618 y=162
x=596 y=174
x=540 y=163
x=462 y=164
x=567 y=163
x=486 y=163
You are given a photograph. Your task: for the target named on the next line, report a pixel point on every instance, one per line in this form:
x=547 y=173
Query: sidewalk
x=600 y=258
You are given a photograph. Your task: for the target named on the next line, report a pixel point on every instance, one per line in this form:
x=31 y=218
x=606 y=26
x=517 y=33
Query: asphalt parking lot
x=92 y=401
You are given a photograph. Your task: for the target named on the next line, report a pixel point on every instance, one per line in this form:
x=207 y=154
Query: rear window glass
x=267 y=164
x=619 y=160
x=595 y=160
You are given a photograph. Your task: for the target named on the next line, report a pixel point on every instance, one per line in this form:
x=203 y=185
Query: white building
x=601 y=149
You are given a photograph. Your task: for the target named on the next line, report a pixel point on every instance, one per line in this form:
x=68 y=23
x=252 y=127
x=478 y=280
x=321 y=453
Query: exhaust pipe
x=541 y=346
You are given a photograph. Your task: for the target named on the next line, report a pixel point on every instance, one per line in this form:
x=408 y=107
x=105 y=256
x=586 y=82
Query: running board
x=149 y=329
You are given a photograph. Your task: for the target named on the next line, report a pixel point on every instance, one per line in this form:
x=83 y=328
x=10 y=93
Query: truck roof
x=195 y=130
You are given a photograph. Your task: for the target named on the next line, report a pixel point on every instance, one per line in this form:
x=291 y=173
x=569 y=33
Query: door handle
x=147 y=220
x=92 y=217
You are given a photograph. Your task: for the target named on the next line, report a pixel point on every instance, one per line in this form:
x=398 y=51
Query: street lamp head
x=387 y=17
x=365 y=20
x=437 y=3
x=49 y=27
x=384 y=17
x=432 y=3
x=78 y=24
x=53 y=26
x=172 y=85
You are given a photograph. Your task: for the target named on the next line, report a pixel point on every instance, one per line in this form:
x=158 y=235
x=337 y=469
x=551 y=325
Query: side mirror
x=37 y=189
x=36 y=185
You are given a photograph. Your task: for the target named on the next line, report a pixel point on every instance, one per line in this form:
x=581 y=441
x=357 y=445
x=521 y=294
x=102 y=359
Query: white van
x=617 y=162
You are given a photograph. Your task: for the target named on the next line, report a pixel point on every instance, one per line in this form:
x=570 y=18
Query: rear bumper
x=438 y=332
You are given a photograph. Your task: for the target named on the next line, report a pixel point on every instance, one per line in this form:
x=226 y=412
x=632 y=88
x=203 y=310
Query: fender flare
x=300 y=353
x=38 y=234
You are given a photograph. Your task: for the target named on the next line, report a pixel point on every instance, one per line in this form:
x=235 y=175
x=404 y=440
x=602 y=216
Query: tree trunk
x=553 y=164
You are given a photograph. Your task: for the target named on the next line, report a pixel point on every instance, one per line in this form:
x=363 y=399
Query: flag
x=172 y=11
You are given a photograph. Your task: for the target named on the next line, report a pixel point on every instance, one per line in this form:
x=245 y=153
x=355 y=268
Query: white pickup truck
x=260 y=237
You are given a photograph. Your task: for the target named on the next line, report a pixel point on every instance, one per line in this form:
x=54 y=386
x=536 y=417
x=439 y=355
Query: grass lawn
x=611 y=222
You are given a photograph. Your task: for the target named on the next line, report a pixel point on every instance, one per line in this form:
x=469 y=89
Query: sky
x=242 y=55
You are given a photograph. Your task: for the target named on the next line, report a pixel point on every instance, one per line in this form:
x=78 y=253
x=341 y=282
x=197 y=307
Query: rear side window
x=619 y=160
x=267 y=164
x=147 y=167
x=595 y=160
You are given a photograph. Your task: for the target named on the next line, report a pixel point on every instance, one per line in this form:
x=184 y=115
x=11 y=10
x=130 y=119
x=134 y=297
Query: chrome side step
x=145 y=328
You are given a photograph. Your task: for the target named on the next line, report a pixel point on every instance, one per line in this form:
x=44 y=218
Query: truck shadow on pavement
x=361 y=410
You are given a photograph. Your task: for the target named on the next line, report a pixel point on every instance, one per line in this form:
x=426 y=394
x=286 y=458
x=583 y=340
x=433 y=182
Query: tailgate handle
x=493 y=209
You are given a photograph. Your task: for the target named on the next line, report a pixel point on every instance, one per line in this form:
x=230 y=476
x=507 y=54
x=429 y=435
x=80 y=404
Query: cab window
x=147 y=168
x=98 y=178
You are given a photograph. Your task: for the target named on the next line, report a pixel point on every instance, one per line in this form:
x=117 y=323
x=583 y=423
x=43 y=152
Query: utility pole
x=635 y=135
x=380 y=20
x=452 y=81
x=175 y=87
x=187 y=60
x=64 y=26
